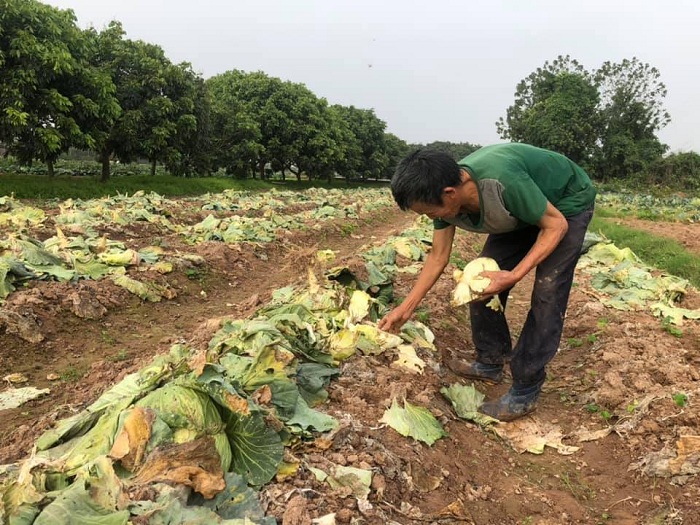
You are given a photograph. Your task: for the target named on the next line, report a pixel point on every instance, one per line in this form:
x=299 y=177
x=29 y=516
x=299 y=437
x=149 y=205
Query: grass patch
x=122 y=355
x=72 y=374
x=661 y=252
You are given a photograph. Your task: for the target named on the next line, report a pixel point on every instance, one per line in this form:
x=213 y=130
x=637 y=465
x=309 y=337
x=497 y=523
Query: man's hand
x=394 y=320
x=500 y=282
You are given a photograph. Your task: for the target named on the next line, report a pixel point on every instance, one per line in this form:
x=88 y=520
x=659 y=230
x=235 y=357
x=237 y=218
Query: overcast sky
x=432 y=70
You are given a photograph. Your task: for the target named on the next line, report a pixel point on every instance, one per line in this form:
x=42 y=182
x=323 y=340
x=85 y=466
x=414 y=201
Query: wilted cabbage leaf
x=306 y=418
x=531 y=435
x=673 y=314
x=257 y=449
x=357 y=479
x=116 y=257
x=418 y=335
x=128 y=389
x=466 y=401
x=413 y=421
x=359 y=306
x=184 y=408
x=408 y=360
x=343 y=343
x=15 y=397
x=92 y=498
x=236 y=502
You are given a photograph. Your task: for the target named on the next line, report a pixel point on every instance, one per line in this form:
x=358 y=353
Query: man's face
x=449 y=208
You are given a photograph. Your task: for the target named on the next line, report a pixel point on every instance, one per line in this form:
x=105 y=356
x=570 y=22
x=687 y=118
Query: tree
x=235 y=132
x=395 y=149
x=632 y=113
x=192 y=150
x=366 y=156
x=48 y=89
x=171 y=114
x=322 y=151
x=156 y=100
x=677 y=170
x=556 y=108
x=457 y=150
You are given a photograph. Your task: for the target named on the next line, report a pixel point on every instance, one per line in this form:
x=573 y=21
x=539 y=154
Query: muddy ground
x=610 y=364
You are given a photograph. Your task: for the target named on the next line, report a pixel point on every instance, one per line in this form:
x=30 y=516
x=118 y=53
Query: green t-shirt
x=515 y=181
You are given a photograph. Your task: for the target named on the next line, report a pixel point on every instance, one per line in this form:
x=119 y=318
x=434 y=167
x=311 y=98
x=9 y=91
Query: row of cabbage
x=673 y=208
x=83 y=253
x=175 y=215
x=217 y=421
x=622 y=281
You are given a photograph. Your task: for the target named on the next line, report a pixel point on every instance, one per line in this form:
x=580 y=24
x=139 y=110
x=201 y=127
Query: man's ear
x=449 y=192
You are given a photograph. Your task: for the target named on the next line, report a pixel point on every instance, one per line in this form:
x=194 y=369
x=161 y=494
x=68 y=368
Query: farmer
x=535 y=206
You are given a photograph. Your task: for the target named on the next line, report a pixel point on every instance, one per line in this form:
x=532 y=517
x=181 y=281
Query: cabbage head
x=190 y=415
x=469 y=281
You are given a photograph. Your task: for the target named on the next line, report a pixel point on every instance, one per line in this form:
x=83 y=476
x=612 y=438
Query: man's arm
x=434 y=265
x=553 y=227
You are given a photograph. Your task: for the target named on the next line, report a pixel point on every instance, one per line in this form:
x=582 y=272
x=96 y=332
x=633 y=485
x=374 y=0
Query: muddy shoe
x=518 y=402
x=474 y=370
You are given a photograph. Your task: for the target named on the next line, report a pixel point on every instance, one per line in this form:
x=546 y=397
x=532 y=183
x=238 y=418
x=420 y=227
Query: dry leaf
x=195 y=464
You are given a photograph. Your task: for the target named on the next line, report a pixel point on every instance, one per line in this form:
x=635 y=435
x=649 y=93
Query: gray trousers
x=541 y=333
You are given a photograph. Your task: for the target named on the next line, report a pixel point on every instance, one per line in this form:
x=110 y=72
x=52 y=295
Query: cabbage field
x=216 y=360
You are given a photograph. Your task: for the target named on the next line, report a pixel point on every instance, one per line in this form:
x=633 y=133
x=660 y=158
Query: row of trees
x=605 y=119
x=65 y=88
x=62 y=87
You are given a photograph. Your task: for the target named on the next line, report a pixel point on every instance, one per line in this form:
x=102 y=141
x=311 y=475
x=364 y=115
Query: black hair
x=421 y=177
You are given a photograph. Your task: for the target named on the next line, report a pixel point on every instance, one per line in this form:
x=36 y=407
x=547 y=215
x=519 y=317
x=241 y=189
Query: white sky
x=432 y=70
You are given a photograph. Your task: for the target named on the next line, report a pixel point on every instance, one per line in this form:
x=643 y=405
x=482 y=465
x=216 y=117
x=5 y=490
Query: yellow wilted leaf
x=286 y=470
x=359 y=306
x=408 y=360
x=343 y=343
x=130 y=444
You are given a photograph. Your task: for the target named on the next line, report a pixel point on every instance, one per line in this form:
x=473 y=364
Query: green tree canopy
x=632 y=113
x=606 y=120
x=457 y=150
x=157 y=100
x=48 y=89
x=556 y=108
x=366 y=155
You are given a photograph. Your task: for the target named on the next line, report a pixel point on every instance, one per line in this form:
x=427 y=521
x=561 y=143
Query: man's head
x=422 y=177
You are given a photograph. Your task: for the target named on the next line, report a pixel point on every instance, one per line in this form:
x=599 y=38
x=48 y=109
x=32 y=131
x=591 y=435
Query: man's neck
x=469 y=194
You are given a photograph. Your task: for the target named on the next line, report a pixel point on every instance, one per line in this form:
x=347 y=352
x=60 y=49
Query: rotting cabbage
x=470 y=283
x=251 y=392
x=625 y=283
x=190 y=415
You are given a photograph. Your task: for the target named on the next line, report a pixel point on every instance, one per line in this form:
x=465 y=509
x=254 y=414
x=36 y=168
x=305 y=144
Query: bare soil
x=609 y=362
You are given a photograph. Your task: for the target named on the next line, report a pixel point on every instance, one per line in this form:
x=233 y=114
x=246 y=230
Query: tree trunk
x=104 y=159
x=49 y=167
x=283 y=174
x=262 y=171
x=153 y=167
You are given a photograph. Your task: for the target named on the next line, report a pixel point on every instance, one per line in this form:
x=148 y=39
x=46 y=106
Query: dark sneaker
x=474 y=370
x=518 y=402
